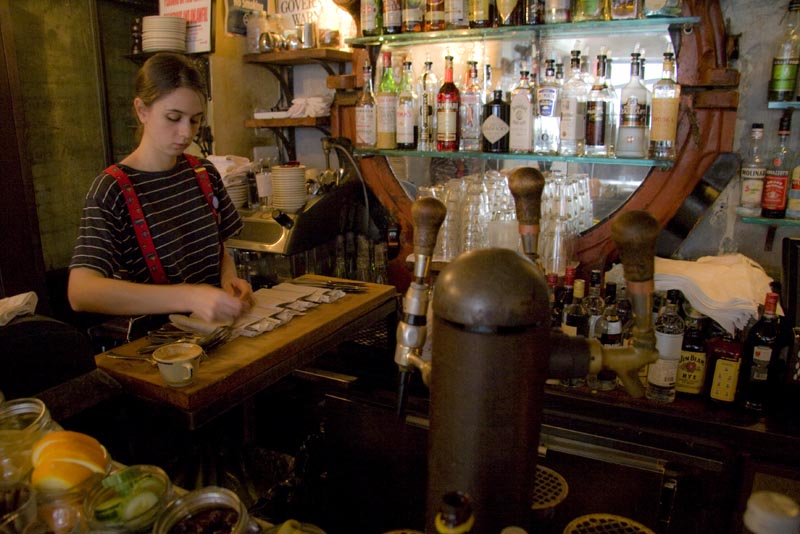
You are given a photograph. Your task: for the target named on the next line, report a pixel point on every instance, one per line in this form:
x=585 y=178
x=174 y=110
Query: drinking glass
x=504 y=9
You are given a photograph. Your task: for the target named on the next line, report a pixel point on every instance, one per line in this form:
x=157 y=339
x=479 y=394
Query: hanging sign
x=199 y=20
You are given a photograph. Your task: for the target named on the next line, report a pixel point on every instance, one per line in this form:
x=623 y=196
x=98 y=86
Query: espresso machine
x=493 y=348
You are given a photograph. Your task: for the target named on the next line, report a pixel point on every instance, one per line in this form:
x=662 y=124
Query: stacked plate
x=163 y=33
x=237 y=189
x=289 y=187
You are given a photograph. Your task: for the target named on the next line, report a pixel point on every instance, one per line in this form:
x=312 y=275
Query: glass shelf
x=771 y=222
x=568 y=29
x=527 y=157
x=783 y=105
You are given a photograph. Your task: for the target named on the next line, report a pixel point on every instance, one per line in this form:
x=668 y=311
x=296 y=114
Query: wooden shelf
x=289 y=122
x=301 y=56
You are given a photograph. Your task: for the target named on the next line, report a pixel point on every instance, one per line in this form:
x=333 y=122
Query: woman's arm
x=230 y=281
x=90 y=291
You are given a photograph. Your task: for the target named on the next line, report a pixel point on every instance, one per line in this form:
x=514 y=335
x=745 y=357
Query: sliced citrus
x=55 y=475
x=95 y=459
x=62 y=436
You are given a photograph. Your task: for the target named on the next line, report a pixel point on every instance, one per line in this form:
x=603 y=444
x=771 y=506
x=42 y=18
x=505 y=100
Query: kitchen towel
x=22 y=304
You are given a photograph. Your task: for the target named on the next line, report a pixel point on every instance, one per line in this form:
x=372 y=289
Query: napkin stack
x=311 y=106
x=22 y=304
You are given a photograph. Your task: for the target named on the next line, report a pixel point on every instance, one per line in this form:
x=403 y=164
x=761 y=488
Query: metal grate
x=605 y=524
x=549 y=490
x=377 y=335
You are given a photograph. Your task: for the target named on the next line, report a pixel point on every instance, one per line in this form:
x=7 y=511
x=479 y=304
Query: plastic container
x=207 y=505
x=22 y=422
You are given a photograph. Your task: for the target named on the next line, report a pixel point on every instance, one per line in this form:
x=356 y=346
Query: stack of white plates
x=163 y=33
x=237 y=189
x=289 y=187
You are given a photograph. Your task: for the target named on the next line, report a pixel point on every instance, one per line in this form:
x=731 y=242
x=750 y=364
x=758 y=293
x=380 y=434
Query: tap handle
x=526 y=185
x=635 y=234
x=428 y=214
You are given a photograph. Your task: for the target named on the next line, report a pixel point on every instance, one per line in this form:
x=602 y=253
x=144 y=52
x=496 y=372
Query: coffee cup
x=178 y=363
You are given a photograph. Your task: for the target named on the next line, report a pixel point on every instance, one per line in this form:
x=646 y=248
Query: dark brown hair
x=165 y=72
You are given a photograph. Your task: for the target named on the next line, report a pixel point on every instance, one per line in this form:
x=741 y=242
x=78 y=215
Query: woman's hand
x=219 y=306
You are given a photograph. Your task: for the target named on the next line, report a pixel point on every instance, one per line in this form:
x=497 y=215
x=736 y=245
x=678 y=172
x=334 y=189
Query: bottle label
x=406 y=120
x=494 y=128
x=665 y=119
x=573 y=120
x=365 y=126
x=434 y=13
x=762 y=354
x=369 y=15
x=478 y=10
x=662 y=373
x=669 y=346
x=776 y=183
x=447 y=118
x=795 y=178
x=725 y=380
x=691 y=372
x=546 y=101
x=633 y=113
x=596 y=122
x=752 y=186
x=392 y=14
x=412 y=13
x=521 y=127
x=784 y=72
x=454 y=12
x=386 y=105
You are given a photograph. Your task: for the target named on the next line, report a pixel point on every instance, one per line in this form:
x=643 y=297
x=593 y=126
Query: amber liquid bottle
x=447 y=103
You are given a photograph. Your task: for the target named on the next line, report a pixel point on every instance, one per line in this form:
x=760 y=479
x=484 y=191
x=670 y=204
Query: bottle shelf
x=783 y=105
x=771 y=222
x=289 y=122
x=525 y=157
x=301 y=56
x=568 y=29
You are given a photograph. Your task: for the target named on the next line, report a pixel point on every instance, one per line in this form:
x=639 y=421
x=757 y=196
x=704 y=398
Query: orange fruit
x=55 y=475
x=59 y=437
x=91 y=457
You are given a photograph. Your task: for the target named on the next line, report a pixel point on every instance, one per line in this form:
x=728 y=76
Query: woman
x=153 y=226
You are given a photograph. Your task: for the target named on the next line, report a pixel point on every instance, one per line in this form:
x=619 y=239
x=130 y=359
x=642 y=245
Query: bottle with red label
x=447 y=104
x=776 y=180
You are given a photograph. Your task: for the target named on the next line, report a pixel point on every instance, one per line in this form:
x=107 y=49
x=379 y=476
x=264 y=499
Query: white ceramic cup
x=178 y=363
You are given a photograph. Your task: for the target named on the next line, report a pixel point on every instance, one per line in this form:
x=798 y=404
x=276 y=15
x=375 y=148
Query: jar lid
x=772 y=512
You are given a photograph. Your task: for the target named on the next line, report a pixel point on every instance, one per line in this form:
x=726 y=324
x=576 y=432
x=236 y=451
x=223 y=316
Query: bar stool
x=549 y=490
x=605 y=524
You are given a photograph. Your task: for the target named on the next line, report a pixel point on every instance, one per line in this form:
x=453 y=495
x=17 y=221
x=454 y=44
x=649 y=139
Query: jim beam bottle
x=692 y=367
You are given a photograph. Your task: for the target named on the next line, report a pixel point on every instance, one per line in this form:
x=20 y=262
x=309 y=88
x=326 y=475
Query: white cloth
x=727 y=288
x=311 y=106
x=22 y=304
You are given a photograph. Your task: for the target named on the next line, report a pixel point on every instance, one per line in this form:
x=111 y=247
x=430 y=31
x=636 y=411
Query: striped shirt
x=185 y=232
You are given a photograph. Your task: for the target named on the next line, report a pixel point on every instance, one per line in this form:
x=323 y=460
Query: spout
x=626 y=362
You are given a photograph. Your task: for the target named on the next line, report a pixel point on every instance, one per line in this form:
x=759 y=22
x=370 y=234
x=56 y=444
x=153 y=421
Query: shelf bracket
x=770 y=239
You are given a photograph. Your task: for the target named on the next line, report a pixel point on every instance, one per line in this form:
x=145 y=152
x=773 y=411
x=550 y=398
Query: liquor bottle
x=624 y=9
x=488 y=90
x=365 y=113
x=510 y=12
x=613 y=114
x=434 y=15
x=557 y=11
x=471 y=111
x=371 y=12
x=593 y=302
x=427 y=88
x=662 y=373
x=413 y=16
x=562 y=297
x=392 y=16
x=495 y=128
x=776 y=179
x=589 y=10
x=633 y=119
x=662 y=8
x=481 y=13
x=573 y=110
x=455 y=514
x=665 y=106
x=547 y=126
x=576 y=317
x=761 y=348
x=724 y=361
x=751 y=175
x=456 y=14
x=447 y=102
x=782 y=84
x=692 y=367
x=406 y=114
x=560 y=74
x=521 y=125
x=600 y=134
x=608 y=330
x=386 y=105
x=534 y=12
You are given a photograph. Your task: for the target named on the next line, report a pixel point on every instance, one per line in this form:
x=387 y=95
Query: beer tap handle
x=428 y=215
x=526 y=185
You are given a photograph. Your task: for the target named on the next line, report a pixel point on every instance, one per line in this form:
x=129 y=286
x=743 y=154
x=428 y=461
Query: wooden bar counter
x=239 y=369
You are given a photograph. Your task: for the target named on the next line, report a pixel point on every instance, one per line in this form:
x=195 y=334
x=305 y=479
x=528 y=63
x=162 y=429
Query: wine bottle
x=365 y=113
x=576 y=318
x=782 y=83
x=386 y=106
x=447 y=102
x=760 y=349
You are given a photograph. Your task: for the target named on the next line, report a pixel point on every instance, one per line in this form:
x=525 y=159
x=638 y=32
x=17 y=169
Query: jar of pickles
x=22 y=422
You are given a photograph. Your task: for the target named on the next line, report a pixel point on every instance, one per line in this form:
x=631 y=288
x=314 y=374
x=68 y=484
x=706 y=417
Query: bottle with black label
x=494 y=128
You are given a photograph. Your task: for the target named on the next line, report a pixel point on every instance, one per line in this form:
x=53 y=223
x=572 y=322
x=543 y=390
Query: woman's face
x=171 y=122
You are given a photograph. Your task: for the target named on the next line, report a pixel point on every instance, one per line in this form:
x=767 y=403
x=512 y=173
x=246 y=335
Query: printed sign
x=199 y=17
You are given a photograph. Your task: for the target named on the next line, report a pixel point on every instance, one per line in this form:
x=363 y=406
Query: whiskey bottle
x=386 y=106
x=692 y=367
x=776 y=179
x=665 y=105
x=661 y=374
x=521 y=123
x=365 y=113
x=633 y=119
x=547 y=117
x=624 y=9
x=589 y=10
x=576 y=318
x=447 y=102
x=751 y=175
x=413 y=16
x=371 y=12
x=427 y=88
x=406 y=114
x=471 y=111
x=782 y=84
x=392 y=16
x=573 y=110
x=495 y=128
x=434 y=15
x=760 y=349
x=481 y=13
x=724 y=357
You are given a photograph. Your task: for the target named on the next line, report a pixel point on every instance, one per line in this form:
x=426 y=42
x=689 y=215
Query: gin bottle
x=665 y=106
x=386 y=106
x=573 y=110
x=494 y=129
x=548 y=117
x=427 y=88
x=751 y=175
x=471 y=111
x=662 y=374
x=633 y=119
x=365 y=113
x=521 y=124
x=600 y=122
x=447 y=102
x=406 y=114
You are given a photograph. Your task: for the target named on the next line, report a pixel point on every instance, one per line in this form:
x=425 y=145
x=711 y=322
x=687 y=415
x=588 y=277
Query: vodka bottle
x=371 y=12
x=413 y=15
x=521 y=122
x=589 y=10
x=751 y=175
x=406 y=114
x=776 y=179
x=392 y=16
x=761 y=348
x=661 y=374
x=599 y=115
x=386 y=106
x=782 y=84
x=547 y=127
x=633 y=119
x=495 y=128
x=665 y=105
x=427 y=88
x=447 y=101
x=365 y=113
x=471 y=111
x=434 y=15
x=573 y=110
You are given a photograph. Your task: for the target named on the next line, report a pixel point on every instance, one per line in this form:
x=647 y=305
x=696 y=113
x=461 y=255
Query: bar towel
x=22 y=304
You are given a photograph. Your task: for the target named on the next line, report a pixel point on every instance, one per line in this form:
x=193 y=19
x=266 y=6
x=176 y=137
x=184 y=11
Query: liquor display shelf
x=771 y=222
x=510 y=156
x=289 y=122
x=569 y=29
x=301 y=56
x=783 y=105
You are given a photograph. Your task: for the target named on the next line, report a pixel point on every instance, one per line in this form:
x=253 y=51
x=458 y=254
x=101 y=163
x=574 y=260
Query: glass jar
x=17 y=507
x=22 y=422
x=209 y=504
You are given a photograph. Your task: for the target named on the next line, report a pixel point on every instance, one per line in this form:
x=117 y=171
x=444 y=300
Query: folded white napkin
x=311 y=106
x=22 y=304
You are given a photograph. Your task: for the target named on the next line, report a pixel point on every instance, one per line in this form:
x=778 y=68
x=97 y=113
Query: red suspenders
x=140 y=227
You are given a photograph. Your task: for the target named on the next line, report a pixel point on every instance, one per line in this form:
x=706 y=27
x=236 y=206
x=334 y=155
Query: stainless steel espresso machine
x=492 y=350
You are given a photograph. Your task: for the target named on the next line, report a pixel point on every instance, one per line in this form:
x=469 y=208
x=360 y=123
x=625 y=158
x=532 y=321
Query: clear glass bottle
x=471 y=110
x=407 y=110
x=751 y=175
x=600 y=115
x=661 y=374
x=573 y=110
x=761 y=348
x=427 y=88
x=392 y=16
x=547 y=120
x=589 y=10
x=386 y=106
x=413 y=16
x=624 y=9
x=365 y=113
x=783 y=81
x=776 y=179
x=633 y=119
x=662 y=8
x=456 y=14
x=447 y=102
x=488 y=87
x=557 y=11
x=434 y=15
x=521 y=120
x=665 y=106
x=495 y=126
x=371 y=12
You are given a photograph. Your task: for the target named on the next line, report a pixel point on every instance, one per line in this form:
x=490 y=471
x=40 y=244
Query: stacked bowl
x=238 y=189
x=289 y=187
x=163 y=34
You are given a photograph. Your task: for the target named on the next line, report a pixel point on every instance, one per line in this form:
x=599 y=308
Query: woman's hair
x=165 y=72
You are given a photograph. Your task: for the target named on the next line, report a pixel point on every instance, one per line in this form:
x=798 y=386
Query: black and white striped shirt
x=184 y=230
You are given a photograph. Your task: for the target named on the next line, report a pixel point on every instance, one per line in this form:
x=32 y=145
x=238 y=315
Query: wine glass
x=504 y=9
